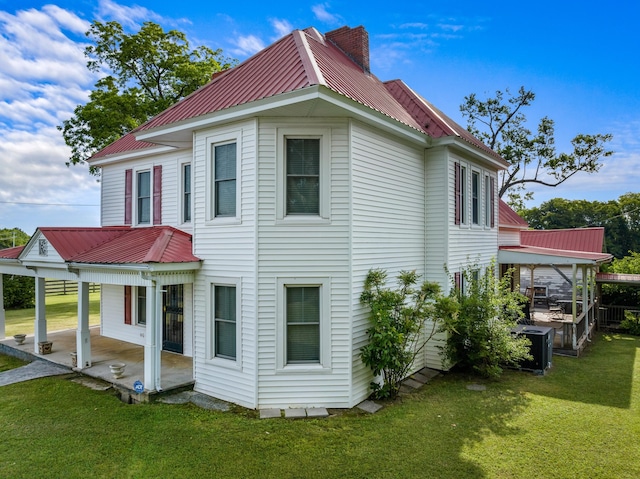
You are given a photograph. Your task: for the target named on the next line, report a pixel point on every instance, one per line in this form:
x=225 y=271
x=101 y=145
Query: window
x=224 y=321
x=224 y=171
x=144 y=197
x=42 y=247
x=141 y=305
x=303 y=176
x=186 y=193
x=475 y=197
x=303 y=324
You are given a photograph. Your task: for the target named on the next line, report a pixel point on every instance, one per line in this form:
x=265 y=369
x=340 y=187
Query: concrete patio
x=176 y=370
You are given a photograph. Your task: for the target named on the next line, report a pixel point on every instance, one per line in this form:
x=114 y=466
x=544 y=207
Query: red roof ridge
x=314 y=75
x=154 y=255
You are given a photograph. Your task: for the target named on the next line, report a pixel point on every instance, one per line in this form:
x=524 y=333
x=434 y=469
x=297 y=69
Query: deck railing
x=610 y=316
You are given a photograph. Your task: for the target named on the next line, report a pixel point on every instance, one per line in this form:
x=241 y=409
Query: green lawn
x=580 y=420
x=62 y=313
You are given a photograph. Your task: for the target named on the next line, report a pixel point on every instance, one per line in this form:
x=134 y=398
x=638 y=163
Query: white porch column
x=40 y=329
x=574 y=309
x=83 y=336
x=586 y=295
x=158 y=319
x=151 y=365
x=2 y=316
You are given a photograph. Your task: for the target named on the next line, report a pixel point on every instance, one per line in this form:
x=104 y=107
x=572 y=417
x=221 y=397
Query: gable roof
x=119 y=245
x=509 y=218
x=577 y=239
x=301 y=60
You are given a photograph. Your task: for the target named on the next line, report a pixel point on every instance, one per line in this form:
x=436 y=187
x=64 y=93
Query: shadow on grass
x=602 y=375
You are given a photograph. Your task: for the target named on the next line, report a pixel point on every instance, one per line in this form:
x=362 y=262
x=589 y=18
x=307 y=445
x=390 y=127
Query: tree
x=398 y=326
x=619 y=219
x=10 y=237
x=19 y=291
x=501 y=124
x=479 y=320
x=146 y=72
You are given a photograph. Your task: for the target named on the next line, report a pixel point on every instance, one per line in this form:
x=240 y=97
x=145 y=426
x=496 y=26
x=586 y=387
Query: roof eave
x=460 y=144
x=514 y=256
x=131 y=155
x=140 y=267
x=255 y=108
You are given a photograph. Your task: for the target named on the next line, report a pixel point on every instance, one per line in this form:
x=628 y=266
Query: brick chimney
x=354 y=42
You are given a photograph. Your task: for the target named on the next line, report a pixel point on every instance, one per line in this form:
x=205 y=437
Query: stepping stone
x=421 y=378
x=429 y=373
x=296 y=413
x=476 y=387
x=369 y=406
x=317 y=412
x=412 y=383
x=270 y=413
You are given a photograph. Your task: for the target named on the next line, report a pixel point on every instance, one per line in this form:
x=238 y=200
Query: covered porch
x=176 y=370
x=573 y=318
x=149 y=259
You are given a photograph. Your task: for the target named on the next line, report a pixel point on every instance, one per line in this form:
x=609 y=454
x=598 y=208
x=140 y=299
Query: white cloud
x=321 y=13
x=282 y=27
x=247 y=45
x=126 y=16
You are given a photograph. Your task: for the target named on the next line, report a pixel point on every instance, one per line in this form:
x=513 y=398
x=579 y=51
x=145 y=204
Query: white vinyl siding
x=112 y=184
x=388 y=208
x=227 y=246
x=304 y=250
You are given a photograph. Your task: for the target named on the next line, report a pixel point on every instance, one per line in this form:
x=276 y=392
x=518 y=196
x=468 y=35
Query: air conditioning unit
x=541 y=338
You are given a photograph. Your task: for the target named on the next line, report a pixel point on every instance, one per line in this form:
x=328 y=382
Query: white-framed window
x=224 y=180
x=304 y=336
x=304 y=173
x=224 y=319
x=141 y=305
x=143 y=197
x=224 y=324
x=223 y=177
x=186 y=192
x=475 y=197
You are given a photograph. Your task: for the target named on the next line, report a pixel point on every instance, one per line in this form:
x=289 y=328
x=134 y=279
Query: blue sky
x=580 y=58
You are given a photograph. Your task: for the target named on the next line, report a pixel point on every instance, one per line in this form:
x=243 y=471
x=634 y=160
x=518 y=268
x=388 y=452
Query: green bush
x=631 y=323
x=397 y=333
x=479 y=323
x=19 y=292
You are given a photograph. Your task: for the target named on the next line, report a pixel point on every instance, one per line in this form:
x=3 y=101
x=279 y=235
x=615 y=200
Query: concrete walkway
x=37 y=369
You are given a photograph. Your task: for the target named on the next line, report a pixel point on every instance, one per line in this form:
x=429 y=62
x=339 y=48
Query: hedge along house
x=293 y=174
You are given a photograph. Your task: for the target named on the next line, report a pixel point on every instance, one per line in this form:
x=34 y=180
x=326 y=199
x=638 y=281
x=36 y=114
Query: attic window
x=42 y=247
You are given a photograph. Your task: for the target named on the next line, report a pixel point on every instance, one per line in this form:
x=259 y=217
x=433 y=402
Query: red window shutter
x=457 y=193
x=457 y=278
x=128 y=187
x=493 y=201
x=127 y=305
x=157 y=195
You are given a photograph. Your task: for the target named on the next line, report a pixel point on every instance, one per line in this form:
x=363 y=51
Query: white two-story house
x=239 y=224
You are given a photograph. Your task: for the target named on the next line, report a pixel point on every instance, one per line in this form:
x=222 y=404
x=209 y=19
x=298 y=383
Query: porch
x=570 y=337
x=176 y=370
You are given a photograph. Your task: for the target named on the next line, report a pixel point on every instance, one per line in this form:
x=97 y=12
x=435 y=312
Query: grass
x=582 y=419
x=61 y=312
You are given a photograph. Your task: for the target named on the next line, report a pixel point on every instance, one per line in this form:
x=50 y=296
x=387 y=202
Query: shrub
x=19 y=291
x=631 y=323
x=397 y=333
x=479 y=323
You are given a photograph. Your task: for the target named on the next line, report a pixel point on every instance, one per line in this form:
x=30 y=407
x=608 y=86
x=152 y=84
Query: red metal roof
x=509 y=218
x=121 y=245
x=578 y=239
x=11 y=253
x=618 y=278
x=296 y=61
x=588 y=255
x=125 y=144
